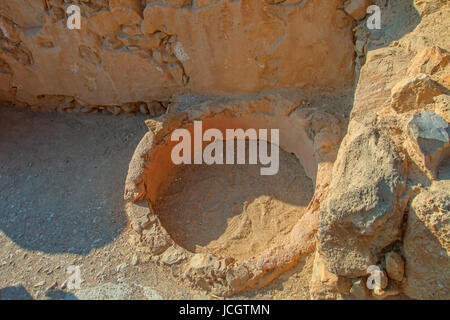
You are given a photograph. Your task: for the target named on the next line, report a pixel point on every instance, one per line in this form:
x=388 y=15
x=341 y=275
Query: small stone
x=133 y=48
x=237 y=277
x=428 y=125
x=395 y=266
x=229 y=260
x=173 y=255
x=135 y=260
x=357 y=9
x=143 y=108
x=121 y=267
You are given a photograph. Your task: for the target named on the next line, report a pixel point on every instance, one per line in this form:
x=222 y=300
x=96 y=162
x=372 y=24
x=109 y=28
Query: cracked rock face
x=427 y=245
x=362 y=213
x=140 y=51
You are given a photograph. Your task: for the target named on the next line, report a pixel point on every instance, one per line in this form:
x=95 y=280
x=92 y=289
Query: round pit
x=232 y=210
x=227 y=227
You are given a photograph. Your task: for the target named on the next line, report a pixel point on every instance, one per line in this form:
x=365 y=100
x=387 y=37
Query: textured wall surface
x=130 y=51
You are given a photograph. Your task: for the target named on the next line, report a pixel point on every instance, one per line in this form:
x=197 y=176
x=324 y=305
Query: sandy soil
x=231 y=210
x=61 y=189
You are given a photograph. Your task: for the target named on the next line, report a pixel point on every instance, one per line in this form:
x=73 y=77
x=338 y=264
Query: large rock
x=362 y=212
x=132 y=51
x=430 y=60
x=415 y=92
x=428 y=125
x=359 y=289
x=427 y=244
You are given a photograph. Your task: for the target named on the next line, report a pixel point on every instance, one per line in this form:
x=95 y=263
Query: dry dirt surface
x=231 y=210
x=61 y=205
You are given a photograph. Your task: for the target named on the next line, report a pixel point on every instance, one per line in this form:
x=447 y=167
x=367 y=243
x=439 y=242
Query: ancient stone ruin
x=362 y=113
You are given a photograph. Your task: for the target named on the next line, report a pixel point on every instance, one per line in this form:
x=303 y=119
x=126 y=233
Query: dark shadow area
x=60 y=295
x=15 y=293
x=62 y=176
x=398 y=18
x=444 y=170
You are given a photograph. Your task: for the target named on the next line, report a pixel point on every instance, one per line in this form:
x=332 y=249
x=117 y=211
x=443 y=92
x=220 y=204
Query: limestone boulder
x=415 y=92
x=427 y=245
x=430 y=60
x=326 y=285
x=363 y=210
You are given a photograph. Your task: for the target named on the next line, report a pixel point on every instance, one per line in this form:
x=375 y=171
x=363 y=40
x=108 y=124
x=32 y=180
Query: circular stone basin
x=232 y=210
x=228 y=228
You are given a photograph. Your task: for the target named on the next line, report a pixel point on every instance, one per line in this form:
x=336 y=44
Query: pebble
x=135 y=260
x=39 y=284
x=121 y=267
x=143 y=108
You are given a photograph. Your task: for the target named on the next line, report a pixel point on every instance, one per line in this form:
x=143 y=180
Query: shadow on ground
x=15 y=293
x=62 y=176
x=20 y=293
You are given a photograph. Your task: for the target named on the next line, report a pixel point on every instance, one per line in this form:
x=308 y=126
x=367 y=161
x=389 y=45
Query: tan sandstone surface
x=136 y=52
x=364 y=137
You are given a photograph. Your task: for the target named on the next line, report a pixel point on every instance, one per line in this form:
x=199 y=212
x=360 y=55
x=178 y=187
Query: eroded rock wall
x=130 y=52
x=392 y=210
